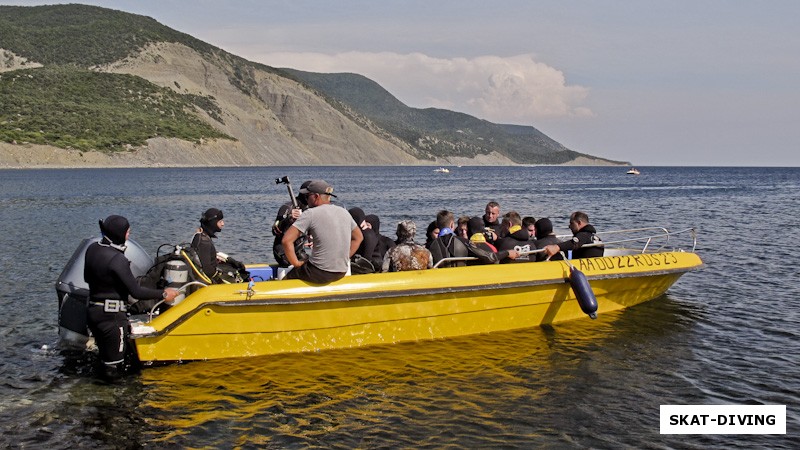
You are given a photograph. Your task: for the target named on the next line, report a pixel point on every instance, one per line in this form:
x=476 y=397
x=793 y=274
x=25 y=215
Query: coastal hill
x=83 y=86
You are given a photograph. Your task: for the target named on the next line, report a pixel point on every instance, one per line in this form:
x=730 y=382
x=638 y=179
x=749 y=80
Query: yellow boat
x=279 y=316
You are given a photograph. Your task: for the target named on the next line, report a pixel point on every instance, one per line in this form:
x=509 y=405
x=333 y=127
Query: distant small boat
x=633 y=171
x=442 y=170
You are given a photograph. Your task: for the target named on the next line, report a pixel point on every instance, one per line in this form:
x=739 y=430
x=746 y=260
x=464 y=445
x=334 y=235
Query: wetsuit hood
x=544 y=227
x=358 y=215
x=302 y=199
x=115 y=228
x=475 y=226
x=375 y=222
x=209 y=220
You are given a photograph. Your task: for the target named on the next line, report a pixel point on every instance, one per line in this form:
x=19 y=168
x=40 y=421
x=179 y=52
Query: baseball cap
x=318 y=187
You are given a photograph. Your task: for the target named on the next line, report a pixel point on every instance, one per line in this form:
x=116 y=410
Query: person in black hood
x=480 y=235
x=368 y=245
x=545 y=237
x=211 y=223
x=384 y=242
x=516 y=237
x=582 y=234
x=111 y=283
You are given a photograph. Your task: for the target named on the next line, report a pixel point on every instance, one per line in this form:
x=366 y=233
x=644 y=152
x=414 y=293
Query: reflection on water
x=485 y=391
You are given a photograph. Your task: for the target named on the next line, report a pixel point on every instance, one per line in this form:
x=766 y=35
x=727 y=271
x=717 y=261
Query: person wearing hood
x=111 y=284
x=431 y=233
x=368 y=245
x=287 y=215
x=516 y=237
x=211 y=223
x=544 y=237
x=384 y=242
x=583 y=234
x=480 y=235
x=407 y=255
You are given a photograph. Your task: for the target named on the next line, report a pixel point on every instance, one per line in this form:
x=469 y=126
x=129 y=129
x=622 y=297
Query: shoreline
x=164 y=153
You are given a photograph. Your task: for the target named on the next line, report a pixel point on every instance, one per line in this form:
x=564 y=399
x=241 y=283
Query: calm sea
x=728 y=334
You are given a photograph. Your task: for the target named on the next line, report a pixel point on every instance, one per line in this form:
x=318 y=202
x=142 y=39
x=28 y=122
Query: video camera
x=284 y=180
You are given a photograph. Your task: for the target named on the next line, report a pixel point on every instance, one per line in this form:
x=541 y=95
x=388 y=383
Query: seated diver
x=211 y=223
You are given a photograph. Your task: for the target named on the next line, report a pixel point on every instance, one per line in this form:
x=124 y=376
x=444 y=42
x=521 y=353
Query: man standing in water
x=335 y=233
x=108 y=273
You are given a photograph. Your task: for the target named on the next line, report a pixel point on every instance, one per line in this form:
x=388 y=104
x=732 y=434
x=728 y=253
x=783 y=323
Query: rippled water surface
x=727 y=334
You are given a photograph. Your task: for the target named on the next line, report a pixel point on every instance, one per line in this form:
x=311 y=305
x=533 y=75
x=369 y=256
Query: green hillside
x=66 y=105
x=70 y=107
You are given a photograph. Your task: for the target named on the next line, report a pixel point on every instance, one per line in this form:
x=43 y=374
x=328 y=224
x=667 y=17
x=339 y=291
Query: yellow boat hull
x=228 y=321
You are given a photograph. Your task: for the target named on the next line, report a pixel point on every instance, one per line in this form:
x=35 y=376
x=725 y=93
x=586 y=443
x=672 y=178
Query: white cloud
x=514 y=89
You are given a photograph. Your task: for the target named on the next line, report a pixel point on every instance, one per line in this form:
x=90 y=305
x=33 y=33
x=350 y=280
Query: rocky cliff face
x=283 y=124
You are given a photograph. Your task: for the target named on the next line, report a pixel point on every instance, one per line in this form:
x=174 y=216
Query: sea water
x=727 y=334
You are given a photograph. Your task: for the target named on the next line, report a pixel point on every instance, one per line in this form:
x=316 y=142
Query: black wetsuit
x=384 y=244
x=367 y=248
x=518 y=240
x=585 y=235
x=550 y=239
x=494 y=226
x=108 y=273
x=451 y=245
x=206 y=252
x=282 y=223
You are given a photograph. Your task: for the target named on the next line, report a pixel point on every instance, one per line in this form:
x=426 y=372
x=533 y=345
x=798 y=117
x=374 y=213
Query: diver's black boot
x=112 y=373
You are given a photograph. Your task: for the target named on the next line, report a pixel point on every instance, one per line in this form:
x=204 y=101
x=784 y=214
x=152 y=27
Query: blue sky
x=707 y=82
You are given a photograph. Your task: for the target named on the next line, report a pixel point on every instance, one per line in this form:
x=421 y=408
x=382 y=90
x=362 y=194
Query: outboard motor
x=73 y=291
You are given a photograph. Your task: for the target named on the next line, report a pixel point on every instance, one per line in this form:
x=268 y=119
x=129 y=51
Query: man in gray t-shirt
x=335 y=235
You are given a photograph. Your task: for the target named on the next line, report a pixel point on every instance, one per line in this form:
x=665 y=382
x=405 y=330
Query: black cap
x=115 y=228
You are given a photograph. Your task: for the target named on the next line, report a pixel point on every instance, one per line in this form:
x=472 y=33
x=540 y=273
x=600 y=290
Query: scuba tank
x=176 y=274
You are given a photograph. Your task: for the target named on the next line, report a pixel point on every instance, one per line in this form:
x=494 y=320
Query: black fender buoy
x=583 y=292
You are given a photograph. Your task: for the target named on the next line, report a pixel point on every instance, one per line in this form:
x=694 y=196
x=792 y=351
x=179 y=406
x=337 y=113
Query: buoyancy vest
x=446 y=247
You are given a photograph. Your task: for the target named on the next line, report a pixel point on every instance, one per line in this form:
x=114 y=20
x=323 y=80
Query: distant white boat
x=442 y=170
x=633 y=171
